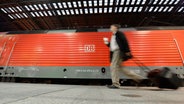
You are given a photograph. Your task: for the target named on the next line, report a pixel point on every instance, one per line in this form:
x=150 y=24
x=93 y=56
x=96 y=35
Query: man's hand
x=106 y=41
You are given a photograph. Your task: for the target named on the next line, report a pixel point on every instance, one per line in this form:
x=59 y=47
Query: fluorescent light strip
x=143 y=2
x=95 y=2
x=105 y=10
x=91 y=10
x=40 y=6
x=60 y=5
x=21 y=16
x=170 y=9
x=49 y=12
x=110 y=9
x=81 y=11
x=36 y=13
x=64 y=5
x=106 y=2
x=161 y=2
x=135 y=9
x=95 y=10
x=14 y=8
x=58 y=12
x=45 y=6
x=11 y=9
x=138 y=2
x=67 y=12
x=120 y=9
x=31 y=7
x=117 y=2
x=36 y=7
x=90 y=3
x=25 y=15
x=19 y=8
x=86 y=11
x=69 y=4
x=130 y=9
x=166 y=8
x=27 y=8
x=45 y=13
x=166 y=1
x=74 y=4
x=33 y=14
x=3 y=10
x=176 y=2
x=100 y=2
x=18 y=16
x=125 y=9
x=71 y=11
x=155 y=2
x=55 y=5
x=8 y=11
x=76 y=11
x=100 y=10
x=127 y=2
x=41 y=14
x=140 y=9
x=133 y=2
x=171 y=1
x=151 y=8
x=79 y=4
x=85 y=3
x=111 y=2
x=10 y=16
x=161 y=8
x=155 y=10
x=63 y=12
x=180 y=9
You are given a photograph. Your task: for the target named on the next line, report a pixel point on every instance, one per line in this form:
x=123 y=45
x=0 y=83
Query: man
x=119 y=47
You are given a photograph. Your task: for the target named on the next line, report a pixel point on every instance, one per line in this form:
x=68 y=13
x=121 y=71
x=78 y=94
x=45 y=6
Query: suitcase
x=162 y=77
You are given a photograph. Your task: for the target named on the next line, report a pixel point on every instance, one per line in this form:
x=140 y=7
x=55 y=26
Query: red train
x=84 y=55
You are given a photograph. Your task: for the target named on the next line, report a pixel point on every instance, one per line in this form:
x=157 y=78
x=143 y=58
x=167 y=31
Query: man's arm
x=123 y=42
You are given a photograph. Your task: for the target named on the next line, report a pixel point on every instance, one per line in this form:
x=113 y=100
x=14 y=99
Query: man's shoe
x=112 y=87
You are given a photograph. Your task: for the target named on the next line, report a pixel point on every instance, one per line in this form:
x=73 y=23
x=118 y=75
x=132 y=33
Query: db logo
x=89 y=48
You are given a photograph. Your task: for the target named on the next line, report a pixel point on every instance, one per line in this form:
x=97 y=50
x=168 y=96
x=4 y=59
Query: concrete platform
x=13 y=93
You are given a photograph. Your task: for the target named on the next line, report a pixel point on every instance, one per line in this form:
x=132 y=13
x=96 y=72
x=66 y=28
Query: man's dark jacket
x=122 y=43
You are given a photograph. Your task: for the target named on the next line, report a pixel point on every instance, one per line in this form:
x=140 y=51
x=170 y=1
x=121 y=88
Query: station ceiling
x=72 y=14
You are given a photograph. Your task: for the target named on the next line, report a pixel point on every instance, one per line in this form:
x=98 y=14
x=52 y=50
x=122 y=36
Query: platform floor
x=15 y=93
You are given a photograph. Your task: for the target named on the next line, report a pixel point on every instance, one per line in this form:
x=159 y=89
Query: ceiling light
x=49 y=12
x=19 y=8
x=127 y=2
x=40 y=6
x=151 y=8
x=106 y=2
x=64 y=5
x=74 y=4
x=100 y=2
x=27 y=8
x=161 y=8
x=81 y=11
x=125 y=9
x=122 y=2
x=58 y=12
x=41 y=14
x=63 y=12
x=180 y=9
x=130 y=9
x=138 y=2
x=133 y=2
x=21 y=16
x=86 y=11
x=155 y=2
x=91 y=10
x=45 y=6
x=176 y=2
x=105 y=10
x=33 y=14
x=143 y=2
x=69 y=5
x=37 y=14
x=36 y=7
x=140 y=9
x=31 y=7
x=120 y=9
x=85 y=3
x=111 y=2
x=25 y=15
x=166 y=8
x=90 y=3
x=14 y=8
x=110 y=10
x=10 y=16
x=116 y=9
x=100 y=10
x=76 y=11
x=60 y=6
x=67 y=12
x=95 y=2
x=171 y=1
x=55 y=5
x=166 y=1
x=170 y=9
x=135 y=9
x=3 y=10
x=17 y=16
x=45 y=13
x=156 y=9
x=95 y=10
x=79 y=3
x=71 y=11
x=11 y=9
